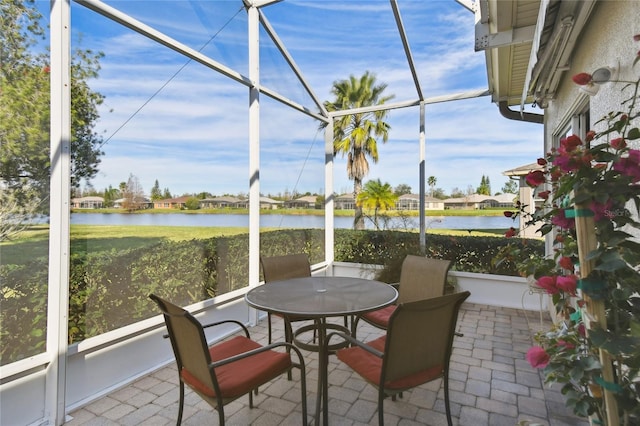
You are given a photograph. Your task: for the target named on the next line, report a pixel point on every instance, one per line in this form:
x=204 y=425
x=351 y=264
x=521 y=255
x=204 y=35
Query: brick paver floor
x=490 y=384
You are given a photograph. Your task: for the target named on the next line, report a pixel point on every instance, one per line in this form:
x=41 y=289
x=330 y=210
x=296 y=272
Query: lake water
x=282 y=221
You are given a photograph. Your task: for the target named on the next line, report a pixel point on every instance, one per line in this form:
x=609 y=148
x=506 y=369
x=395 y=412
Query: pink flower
x=567 y=283
x=618 y=143
x=548 y=283
x=629 y=165
x=600 y=210
x=590 y=136
x=510 y=233
x=555 y=175
x=569 y=158
x=544 y=194
x=582 y=331
x=507 y=214
x=636 y=37
x=570 y=143
x=562 y=221
x=542 y=162
x=565 y=345
x=582 y=79
x=535 y=178
x=565 y=262
x=537 y=357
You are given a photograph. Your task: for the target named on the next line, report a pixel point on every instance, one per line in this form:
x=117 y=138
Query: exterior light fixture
x=600 y=76
x=604 y=75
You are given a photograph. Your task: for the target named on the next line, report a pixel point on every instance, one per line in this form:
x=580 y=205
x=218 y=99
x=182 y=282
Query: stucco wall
x=606 y=40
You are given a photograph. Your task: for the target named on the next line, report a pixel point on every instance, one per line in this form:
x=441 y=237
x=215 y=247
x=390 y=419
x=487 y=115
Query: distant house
x=143 y=203
x=412 y=202
x=527 y=196
x=171 y=203
x=503 y=200
x=218 y=202
x=470 y=202
x=306 y=202
x=345 y=202
x=269 y=203
x=87 y=203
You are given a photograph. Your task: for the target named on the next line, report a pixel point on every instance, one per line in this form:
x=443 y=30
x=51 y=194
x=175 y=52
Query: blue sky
x=178 y=122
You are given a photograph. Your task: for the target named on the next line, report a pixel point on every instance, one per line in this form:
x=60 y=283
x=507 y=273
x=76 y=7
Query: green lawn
x=33 y=242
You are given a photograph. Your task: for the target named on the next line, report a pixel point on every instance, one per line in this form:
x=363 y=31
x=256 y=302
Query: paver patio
x=490 y=384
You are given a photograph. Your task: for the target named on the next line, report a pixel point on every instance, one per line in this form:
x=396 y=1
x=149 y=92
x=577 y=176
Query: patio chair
x=278 y=268
x=415 y=350
x=227 y=370
x=420 y=278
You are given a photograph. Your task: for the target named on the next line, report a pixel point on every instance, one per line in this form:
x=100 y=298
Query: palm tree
x=376 y=196
x=357 y=135
x=431 y=181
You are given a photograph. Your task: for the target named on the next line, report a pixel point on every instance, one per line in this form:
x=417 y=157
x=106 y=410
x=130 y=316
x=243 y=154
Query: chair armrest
x=213 y=324
x=356 y=342
x=244 y=328
x=260 y=350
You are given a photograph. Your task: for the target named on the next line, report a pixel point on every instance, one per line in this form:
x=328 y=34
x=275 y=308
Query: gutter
x=528 y=117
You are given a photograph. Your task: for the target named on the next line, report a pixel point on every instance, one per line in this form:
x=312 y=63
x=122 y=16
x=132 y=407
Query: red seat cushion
x=369 y=367
x=238 y=378
x=380 y=317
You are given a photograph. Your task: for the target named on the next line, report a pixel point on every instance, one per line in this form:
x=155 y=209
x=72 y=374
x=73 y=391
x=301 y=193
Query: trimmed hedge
x=109 y=289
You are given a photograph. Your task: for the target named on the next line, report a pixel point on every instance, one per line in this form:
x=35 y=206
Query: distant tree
x=156 y=194
x=110 y=195
x=357 y=135
x=166 y=194
x=25 y=108
x=378 y=197
x=457 y=193
x=439 y=193
x=320 y=202
x=470 y=190
x=402 y=189
x=485 y=186
x=133 y=195
x=431 y=181
x=510 y=187
x=192 y=203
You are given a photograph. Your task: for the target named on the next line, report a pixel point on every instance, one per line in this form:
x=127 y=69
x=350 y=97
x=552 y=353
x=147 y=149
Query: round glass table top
x=322 y=296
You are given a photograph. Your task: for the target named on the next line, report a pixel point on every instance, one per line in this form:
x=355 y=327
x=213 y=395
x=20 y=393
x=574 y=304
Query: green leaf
x=590 y=363
x=576 y=373
x=633 y=133
x=581 y=408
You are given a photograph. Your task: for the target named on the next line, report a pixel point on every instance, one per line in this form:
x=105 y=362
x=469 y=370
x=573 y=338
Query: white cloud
x=191 y=132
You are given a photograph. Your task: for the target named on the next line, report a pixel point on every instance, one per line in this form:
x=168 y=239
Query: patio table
x=320 y=298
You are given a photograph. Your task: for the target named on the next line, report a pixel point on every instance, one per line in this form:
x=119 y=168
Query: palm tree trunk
x=358 y=221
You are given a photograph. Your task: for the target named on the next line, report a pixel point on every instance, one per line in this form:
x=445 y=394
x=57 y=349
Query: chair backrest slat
x=278 y=268
x=420 y=335
x=422 y=278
